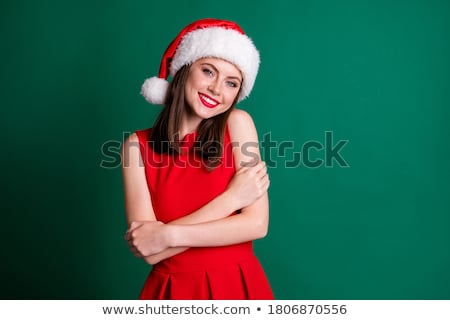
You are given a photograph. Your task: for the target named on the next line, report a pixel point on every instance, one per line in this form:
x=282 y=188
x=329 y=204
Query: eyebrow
x=215 y=69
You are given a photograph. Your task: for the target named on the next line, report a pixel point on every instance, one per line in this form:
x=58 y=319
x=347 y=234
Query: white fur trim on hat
x=217 y=42
x=154 y=90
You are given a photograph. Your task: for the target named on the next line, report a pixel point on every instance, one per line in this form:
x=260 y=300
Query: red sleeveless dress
x=179 y=185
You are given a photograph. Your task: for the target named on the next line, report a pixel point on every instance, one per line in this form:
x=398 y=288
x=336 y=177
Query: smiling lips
x=208 y=101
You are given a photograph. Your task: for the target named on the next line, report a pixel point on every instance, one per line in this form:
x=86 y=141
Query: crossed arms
x=211 y=225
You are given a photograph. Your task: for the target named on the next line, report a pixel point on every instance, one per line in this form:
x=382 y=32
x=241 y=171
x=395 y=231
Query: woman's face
x=212 y=86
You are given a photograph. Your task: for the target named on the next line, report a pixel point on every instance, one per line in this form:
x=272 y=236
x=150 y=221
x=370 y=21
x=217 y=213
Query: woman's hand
x=249 y=183
x=147 y=238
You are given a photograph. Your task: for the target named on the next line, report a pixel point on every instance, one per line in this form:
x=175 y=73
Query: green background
x=374 y=73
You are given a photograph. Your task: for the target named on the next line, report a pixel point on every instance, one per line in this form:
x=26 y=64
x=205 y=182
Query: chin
x=206 y=113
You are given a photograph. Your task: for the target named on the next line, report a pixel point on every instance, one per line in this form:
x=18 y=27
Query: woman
x=195 y=189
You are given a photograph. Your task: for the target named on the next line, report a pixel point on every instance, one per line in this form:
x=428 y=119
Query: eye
x=232 y=84
x=207 y=71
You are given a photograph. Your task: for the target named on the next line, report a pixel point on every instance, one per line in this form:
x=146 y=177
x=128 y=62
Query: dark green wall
x=375 y=74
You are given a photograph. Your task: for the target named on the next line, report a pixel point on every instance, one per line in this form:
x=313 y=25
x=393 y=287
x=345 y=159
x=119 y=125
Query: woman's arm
x=243 y=190
x=251 y=224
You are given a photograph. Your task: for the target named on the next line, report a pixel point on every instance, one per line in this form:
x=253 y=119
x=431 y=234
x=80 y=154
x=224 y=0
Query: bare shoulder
x=239 y=117
x=130 y=151
x=132 y=138
x=241 y=126
x=243 y=134
x=131 y=141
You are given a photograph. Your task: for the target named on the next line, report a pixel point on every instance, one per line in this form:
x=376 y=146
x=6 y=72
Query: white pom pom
x=154 y=90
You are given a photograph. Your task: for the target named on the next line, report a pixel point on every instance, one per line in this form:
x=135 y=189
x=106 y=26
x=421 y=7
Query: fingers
x=258 y=170
x=262 y=185
x=137 y=236
x=133 y=246
x=130 y=239
x=135 y=251
x=261 y=169
x=133 y=226
x=128 y=234
x=265 y=183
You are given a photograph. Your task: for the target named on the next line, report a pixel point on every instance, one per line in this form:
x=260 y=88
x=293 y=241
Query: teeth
x=208 y=100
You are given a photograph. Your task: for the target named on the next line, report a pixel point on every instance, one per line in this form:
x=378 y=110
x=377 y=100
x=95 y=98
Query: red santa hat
x=200 y=39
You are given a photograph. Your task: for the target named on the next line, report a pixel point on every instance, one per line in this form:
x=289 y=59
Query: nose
x=214 y=87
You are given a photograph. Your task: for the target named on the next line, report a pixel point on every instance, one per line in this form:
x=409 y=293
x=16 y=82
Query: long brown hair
x=165 y=135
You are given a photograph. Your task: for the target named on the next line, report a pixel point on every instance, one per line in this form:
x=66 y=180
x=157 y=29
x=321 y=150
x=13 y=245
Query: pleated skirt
x=217 y=273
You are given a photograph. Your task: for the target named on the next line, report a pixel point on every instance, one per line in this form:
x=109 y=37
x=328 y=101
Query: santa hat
x=200 y=39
